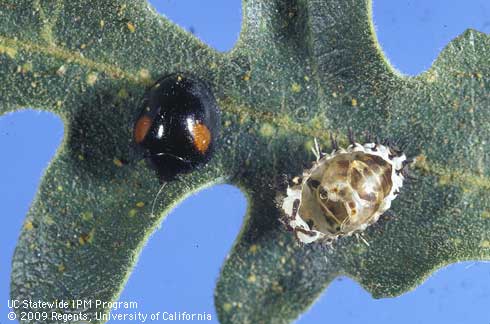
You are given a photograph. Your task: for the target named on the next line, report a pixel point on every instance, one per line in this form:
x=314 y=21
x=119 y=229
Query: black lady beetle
x=178 y=126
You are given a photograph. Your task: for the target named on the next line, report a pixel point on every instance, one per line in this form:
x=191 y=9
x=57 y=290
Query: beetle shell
x=178 y=126
x=344 y=192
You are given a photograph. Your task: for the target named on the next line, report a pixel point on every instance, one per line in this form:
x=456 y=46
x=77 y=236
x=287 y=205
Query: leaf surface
x=301 y=70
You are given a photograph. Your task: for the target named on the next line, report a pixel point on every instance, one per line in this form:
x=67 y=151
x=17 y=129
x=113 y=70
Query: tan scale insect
x=345 y=191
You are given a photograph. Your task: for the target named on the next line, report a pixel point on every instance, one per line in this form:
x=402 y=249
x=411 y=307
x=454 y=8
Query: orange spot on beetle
x=141 y=129
x=202 y=137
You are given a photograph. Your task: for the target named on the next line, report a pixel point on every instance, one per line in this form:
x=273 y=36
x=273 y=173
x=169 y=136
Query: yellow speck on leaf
x=26 y=67
x=140 y=204
x=86 y=238
x=83 y=46
x=276 y=287
x=91 y=78
x=457 y=241
x=421 y=162
x=353 y=102
x=60 y=188
x=122 y=93
x=87 y=216
x=295 y=87
x=432 y=76
x=246 y=76
x=90 y=238
x=48 y=220
x=485 y=214
x=227 y=307
x=61 y=70
x=144 y=75
x=61 y=268
x=456 y=105
x=117 y=162
x=28 y=226
x=244 y=118
x=121 y=9
x=131 y=27
x=102 y=24
x=485 y=244
x=252 y=278
x=132 y=212
x=267 y=130
x=444 y=179
x=253 y=249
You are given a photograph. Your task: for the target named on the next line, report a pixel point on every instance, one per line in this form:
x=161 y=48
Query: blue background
x=178 y=269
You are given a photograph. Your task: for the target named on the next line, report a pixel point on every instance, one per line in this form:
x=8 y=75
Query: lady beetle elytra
x=178 y=126
x=345 y=191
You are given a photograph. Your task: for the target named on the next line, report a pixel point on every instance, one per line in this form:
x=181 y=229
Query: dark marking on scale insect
x=312 y=183
x=333 y=141
x=310 y=223
x=304 y=231
x=295 y=207
x=350 y=135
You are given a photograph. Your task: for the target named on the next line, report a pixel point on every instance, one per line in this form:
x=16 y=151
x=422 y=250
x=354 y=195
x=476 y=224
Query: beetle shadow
x=100 y=136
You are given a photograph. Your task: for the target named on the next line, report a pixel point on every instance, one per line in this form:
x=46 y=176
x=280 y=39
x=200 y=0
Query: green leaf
x=301 y=69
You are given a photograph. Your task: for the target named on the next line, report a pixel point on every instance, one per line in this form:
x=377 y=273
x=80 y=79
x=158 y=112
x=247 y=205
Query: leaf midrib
x=457 y=176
